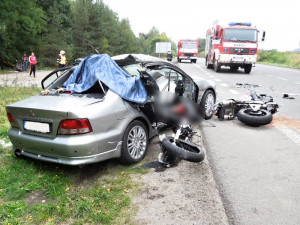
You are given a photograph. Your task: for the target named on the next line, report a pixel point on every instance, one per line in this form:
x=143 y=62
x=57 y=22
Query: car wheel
x=207 y=104
x=135 y=143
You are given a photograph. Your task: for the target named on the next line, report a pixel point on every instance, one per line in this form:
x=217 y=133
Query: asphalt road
x=257 y=169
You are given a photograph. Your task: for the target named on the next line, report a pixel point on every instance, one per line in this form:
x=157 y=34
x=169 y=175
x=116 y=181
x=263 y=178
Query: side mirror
x=263 y=36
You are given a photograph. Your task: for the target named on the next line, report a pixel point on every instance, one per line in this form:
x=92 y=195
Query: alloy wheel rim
x=209 y=103
x=136 y=142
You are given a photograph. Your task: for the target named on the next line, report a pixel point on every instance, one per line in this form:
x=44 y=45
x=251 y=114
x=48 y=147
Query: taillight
x=10 y=118
x=76 y=126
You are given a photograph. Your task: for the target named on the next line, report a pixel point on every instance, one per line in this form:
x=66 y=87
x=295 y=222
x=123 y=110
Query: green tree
x=81 y=27
x=54 y=39
x=202 y=42
x=96 y=22
x=127 y=38
x=20 y=25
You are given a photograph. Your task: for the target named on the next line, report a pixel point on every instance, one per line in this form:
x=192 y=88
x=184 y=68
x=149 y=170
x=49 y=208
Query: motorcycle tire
x=252 y=118
x=183 y=150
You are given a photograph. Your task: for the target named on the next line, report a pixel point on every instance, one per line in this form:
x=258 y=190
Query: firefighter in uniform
x=62 y=59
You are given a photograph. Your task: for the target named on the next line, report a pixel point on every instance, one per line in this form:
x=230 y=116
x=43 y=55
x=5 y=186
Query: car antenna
x=83 y=40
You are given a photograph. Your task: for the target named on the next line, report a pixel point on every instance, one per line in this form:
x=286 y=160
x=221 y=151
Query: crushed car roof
x=101 y=67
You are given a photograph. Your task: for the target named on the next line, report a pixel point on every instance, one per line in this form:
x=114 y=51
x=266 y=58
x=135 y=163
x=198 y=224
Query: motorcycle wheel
x=183 y=150
x=254 y=118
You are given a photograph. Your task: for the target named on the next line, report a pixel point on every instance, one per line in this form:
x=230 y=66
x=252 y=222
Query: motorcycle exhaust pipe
x=228 y=117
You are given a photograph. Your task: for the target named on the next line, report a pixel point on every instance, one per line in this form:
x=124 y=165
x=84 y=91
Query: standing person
x=33 y=62
x=25 y=62
x=62 y=59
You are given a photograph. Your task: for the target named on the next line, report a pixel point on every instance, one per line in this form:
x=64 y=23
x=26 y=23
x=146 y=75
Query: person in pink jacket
x=33 y=62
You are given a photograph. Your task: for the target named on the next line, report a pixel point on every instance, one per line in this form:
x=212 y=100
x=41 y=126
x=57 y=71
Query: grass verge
x=35 y=192
x=284 y=59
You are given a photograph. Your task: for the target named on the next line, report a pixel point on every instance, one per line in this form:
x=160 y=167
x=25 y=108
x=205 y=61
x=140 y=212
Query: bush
x=289 y=59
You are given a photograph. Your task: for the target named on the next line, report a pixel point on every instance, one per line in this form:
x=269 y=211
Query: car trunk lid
x=41 y=115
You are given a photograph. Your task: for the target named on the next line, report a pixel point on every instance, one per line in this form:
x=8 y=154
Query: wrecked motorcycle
x=251 y=109
x=179 y=146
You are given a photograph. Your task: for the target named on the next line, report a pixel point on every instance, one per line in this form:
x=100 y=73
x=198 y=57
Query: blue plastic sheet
x=102 y=67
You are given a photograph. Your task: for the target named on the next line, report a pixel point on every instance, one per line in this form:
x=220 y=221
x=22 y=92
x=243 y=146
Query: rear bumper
x=236 y=59
x=187 y=57
x=68 y=150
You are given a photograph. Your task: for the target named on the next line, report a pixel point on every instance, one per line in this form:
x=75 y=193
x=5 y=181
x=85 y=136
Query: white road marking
x=224 y=84
x=197 y=66
x=218 y=80
x=291 y=134
x=279 y=68
x=280 y=78
x=234 y=92
x=212 y=76
x=297 y=82
x=207 y=73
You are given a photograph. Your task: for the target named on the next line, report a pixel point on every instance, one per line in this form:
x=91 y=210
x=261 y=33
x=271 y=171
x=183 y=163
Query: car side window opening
x=54 y=82
x=55 y=79
x=133 y=69
x=174 y=82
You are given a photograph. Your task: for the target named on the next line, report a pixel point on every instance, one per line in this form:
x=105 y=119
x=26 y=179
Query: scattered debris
x=289 y=95
x=246 y=85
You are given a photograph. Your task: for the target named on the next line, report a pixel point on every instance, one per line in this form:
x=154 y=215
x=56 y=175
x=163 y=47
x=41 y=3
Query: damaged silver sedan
x=82 y=124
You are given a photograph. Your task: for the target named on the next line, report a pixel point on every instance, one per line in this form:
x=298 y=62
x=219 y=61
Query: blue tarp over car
x=103 y=67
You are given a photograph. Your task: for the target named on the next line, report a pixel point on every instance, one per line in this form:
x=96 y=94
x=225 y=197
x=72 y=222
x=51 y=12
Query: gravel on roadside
x=23 y=79
x=184 y=194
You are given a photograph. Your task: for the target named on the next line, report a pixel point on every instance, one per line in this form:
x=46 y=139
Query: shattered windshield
x=133 y=69
x=240 y=35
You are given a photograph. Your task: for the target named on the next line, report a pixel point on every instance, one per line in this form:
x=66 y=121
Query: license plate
x=37 y=126
x=238 y=58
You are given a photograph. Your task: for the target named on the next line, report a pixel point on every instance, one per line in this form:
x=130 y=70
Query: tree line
x=23 y=30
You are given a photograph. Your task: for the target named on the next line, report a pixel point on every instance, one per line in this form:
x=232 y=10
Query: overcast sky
x=189 y=19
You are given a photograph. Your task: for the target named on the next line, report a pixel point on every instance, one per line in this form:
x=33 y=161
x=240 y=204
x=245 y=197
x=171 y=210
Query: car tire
x=134 y=143
x=261 y=117
x=207 y=103
x=217 y=66
x=248 y=68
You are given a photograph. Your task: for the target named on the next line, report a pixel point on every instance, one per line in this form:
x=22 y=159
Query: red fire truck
x=187 y=50
x=234 y=46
